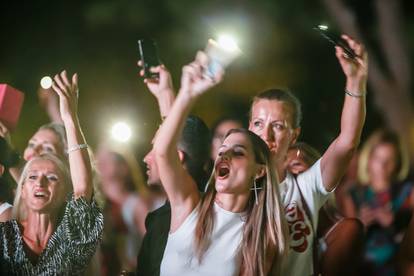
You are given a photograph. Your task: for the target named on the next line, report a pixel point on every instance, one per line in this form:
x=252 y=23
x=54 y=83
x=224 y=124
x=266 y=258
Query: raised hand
x=68 y=95
x=193 y=80
x=161 y=85
x=355 y=70
x=79 y=161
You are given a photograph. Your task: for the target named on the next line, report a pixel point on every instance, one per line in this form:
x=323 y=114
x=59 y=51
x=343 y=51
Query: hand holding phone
x=149 y=57
x=336 y=40
x=194 y=79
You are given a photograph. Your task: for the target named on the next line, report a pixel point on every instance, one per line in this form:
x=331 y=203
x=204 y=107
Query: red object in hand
x=11 y=102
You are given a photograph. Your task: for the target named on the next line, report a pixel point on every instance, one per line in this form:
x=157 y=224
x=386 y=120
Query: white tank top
x=4 y=206
x=222 y=258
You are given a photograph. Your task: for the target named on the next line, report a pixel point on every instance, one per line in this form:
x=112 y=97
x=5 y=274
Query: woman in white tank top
x=237 y=227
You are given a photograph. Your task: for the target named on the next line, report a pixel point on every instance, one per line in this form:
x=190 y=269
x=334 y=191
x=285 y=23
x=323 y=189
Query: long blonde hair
x=19 y=211
x=265 y=233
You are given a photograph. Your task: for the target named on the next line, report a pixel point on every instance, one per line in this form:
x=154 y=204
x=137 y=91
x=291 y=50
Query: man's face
x=272 y=120
x=152 y=168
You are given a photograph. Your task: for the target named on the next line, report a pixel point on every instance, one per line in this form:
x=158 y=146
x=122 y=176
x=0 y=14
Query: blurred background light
x=46 y=82
x=228 y=42
x=323 y=27
x=121 y=132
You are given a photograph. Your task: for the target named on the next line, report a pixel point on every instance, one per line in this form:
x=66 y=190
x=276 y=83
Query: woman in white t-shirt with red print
x=275 y=116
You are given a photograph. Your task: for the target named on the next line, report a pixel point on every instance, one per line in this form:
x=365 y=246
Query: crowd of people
x=246 y=198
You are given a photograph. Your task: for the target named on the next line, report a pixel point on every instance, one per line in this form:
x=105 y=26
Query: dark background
x=98 y=39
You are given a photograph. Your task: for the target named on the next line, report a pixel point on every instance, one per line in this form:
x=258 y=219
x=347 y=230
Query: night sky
x=98 y=39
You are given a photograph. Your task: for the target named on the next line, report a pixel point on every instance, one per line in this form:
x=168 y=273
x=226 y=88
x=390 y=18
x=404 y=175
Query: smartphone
x=335 y=39
x=149 y=57
x=11 y=102
x=219 y=57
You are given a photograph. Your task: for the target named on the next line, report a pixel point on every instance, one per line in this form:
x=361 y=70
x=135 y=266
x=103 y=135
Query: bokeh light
x=228 y=42
x=121 y=132
x=46 y=82
x=323 y=27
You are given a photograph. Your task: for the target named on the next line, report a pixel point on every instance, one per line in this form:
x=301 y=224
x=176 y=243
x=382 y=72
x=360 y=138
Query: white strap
x=4 y=206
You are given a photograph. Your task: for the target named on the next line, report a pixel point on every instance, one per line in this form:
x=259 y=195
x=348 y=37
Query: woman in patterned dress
x=57 y=224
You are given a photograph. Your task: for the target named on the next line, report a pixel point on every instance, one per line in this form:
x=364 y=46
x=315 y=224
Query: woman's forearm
x=79 y=160
x=169 y=133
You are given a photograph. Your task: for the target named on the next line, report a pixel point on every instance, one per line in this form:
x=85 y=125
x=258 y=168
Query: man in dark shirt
x=193 y=148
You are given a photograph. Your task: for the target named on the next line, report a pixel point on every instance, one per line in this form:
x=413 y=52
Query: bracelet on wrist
x=355 y=94
x=77 y=147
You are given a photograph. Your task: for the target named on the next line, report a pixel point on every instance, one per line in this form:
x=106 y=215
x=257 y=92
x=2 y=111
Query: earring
x=255 y=188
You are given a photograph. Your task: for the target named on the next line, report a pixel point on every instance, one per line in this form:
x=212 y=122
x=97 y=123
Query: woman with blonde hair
x=57 y=224
x=237 y=227
x=382 y=199
x=389 y=139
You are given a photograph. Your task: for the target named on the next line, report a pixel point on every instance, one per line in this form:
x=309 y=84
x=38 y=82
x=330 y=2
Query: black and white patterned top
x=69 y=249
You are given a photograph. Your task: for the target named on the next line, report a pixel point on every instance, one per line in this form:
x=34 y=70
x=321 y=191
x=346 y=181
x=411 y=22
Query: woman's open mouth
x=223 y=170
x=41 y=194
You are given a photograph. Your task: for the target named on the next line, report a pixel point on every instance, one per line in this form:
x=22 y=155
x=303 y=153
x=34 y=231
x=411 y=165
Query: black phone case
x=149 y=56
x=336 y=40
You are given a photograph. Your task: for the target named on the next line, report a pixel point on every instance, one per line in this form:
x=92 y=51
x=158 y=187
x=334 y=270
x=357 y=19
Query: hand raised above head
x=354 y=68
x=194 y=81
x=68 y=94
x=162 y=84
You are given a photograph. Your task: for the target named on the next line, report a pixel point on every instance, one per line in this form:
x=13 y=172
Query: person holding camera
x=57 y=224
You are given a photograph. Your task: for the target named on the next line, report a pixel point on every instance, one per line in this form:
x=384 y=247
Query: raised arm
x=79 y=161
x=162 y=88
x=337 y=157
x=181 y=189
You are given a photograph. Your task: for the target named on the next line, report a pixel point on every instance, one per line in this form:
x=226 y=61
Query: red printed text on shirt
x=298 y=229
